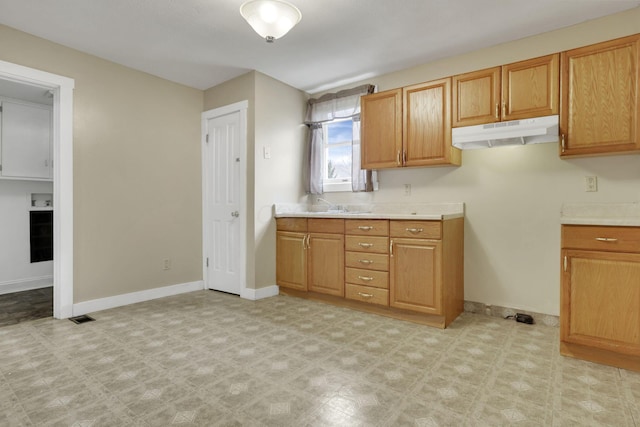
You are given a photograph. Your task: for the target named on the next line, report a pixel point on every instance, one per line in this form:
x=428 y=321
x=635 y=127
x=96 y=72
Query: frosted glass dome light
x=271 y=19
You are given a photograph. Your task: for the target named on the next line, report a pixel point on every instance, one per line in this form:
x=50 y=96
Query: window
x=337 y=155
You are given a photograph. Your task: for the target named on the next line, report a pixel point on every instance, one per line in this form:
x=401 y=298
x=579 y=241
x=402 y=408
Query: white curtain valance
x=339 y=105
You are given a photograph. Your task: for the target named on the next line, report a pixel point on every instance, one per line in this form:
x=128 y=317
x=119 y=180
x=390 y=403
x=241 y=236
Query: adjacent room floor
x=212 y=359
x=27 y=305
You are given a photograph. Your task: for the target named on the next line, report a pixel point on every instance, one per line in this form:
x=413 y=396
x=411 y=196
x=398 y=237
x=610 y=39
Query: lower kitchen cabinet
x=310 y=255
x=600 y=297
x=326 y=263
x=411 y=270
x=416 y=275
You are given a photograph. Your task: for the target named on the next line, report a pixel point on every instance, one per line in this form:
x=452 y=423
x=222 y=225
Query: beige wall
x=513 y=195
x=274 y=119
x=279 y=116
x=136 y=170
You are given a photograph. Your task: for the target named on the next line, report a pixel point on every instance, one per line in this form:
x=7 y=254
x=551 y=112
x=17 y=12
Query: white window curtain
x=331 y=106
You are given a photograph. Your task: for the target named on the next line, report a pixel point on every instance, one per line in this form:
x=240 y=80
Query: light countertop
x=416 y=211
x=620 y=214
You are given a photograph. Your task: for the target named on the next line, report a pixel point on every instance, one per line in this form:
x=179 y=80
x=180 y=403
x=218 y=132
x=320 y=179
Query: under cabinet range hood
x=517 y=132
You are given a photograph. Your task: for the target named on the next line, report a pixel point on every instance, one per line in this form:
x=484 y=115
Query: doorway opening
x=60 y=88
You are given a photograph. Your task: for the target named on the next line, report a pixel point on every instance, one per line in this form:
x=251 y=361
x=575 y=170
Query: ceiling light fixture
x=271 y=19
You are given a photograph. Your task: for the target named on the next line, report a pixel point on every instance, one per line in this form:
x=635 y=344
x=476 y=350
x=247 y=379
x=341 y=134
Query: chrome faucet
x=331 y=205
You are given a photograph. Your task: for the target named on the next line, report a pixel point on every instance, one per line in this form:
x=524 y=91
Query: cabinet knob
x=365 y=227
x=365 y=278
x=414 y=230
x=365 y=261
x=365 y=245
x=363 y=295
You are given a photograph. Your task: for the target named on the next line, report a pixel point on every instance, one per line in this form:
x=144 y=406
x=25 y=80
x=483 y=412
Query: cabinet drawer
x=367 y=261
x=376 y=279
x=291 y=224
x=378 y=245
x=367 y=294
x=325 y=225
x=367 y=227
x=601 y=238
x=417 y=229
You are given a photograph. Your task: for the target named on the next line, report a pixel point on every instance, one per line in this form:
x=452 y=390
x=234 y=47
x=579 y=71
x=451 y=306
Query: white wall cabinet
x=25 y=140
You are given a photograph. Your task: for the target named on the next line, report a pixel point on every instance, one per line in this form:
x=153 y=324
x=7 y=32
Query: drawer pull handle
x=606 y=239
x=365 y=261
x=365 y=278
x=365 y=245
x=365 y=227
x=414 y=230
x=363 y=295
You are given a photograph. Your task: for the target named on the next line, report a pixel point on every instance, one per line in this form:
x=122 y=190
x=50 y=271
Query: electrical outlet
x=407 y=189
x=166 y=264
x=590 y=183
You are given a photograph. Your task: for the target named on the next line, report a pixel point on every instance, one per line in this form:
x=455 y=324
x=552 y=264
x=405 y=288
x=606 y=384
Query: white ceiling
x=201 y=43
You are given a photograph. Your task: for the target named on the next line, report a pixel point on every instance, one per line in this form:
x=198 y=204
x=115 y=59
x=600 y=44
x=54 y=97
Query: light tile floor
x=212 y=359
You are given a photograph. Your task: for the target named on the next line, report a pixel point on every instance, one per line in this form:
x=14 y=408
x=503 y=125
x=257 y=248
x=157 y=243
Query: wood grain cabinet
x=600 y=294
x=426 y=268
x=325 y=256
x=600 y=107
x=515 y=91
x=408 y=127
x=367 y=261
x=310 y=255
x=411 y=270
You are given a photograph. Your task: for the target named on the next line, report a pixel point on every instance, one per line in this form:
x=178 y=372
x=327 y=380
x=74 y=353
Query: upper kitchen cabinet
x=599 y=107
x=381 y=129
x=25 y=141
x=515 y=91
x=408 y=127
x=426 y=125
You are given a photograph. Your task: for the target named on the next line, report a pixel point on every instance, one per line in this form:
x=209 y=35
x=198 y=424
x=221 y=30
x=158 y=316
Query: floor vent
x=81 y=319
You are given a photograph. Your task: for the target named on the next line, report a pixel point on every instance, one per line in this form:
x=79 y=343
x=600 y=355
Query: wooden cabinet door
x=416 y=275
x=326 y=263
x=291 y=260
x=530 y=88
x=599 y=104
x=600 y=300
x=476 y=97
x=381 y=130
x=426 y=131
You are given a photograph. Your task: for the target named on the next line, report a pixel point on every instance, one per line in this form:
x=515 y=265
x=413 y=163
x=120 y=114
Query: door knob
x=235 y=214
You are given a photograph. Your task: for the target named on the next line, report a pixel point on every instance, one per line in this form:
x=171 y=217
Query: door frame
x=207 y=172
x=62 y=88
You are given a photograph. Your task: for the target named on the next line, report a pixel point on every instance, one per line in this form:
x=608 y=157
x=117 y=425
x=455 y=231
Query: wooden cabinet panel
x=599 y=103
x=378 y=245
x=291 y=224
x=370 y=261
x=367 y=227
x=326 y=263
x=530 y=88
x=381 y=130
x=325 y=225
x=476 y=97
x=601 y=300
x=367 y=294
x=376 y=279
x=291 y=260
x=416 y=229
x=600 y=238
x=416 y=276
x=427 y=125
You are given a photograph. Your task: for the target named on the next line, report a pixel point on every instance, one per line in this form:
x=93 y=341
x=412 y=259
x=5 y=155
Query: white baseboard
x=256 y=294
x=12 y=286
x=134 y=297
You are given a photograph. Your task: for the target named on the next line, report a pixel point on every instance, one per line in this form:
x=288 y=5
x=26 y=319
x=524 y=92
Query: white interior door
x=225 y=192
